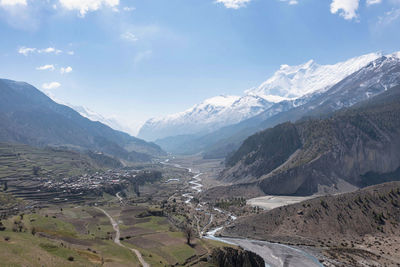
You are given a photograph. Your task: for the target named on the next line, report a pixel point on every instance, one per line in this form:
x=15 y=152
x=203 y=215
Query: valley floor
x=128 y=229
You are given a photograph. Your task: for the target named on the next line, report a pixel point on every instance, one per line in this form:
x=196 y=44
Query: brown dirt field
x=135 y=231
x=130 y=220
x=77 y=241
x=133 y=210
x=103 y=223
x=71 y=240
x=114 y=264
x=199 y=248
x=143 y=242
x=95 y=213
x=165 y=239
x=94 y=258
x=163 y=221
x=166 y=256
x=80 y=225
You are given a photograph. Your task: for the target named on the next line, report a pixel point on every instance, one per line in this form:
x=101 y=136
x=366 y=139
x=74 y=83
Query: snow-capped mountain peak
x=221 y=100
x=291 y=82
x=394 y=55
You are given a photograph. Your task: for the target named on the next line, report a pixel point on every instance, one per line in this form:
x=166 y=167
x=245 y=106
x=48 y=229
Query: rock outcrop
x=231 y=257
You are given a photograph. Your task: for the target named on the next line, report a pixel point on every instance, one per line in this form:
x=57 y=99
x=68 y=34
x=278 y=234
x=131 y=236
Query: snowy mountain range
x=112 y=122
x=94 y=116
x=371 y=80
x=207 y=116
x=288 y=84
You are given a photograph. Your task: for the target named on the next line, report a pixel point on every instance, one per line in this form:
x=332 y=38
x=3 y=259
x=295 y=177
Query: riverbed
x=272 y=202
x=272 y=253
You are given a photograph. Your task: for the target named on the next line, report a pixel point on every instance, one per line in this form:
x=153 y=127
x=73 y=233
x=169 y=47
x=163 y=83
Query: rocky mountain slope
x=286 y=84
x=28 y=116
x=357 y=146
x=350 y=229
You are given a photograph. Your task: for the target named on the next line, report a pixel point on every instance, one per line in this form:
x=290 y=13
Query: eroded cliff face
x=302 y=158
x=262 y=153
x=349 y=156
x=231 y=257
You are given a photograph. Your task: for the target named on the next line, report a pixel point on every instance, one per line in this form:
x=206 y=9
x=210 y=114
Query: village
x=86 y=182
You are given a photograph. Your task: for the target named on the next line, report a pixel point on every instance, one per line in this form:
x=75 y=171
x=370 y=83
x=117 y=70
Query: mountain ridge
x=28 y=116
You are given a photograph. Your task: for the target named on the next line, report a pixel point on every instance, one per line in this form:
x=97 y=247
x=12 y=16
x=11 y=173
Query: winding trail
x=118 y=235
x=119 y=197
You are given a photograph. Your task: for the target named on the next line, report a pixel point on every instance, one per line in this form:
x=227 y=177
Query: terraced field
x=86 y=235
x=18 y=161
x=24 y=168
x=61 y=227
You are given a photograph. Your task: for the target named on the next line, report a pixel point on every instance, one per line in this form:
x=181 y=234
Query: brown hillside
x=366 y=220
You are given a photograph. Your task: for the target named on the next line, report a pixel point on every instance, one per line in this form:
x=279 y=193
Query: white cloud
x=129 y=8
x=290 y=2
x=26 y=50
x=13 y=2
x=389 y=17
x=46 y=67
x=373 y=2
x=346 y=8
x=129 y=36
x=84 y=6
x=50 y=86
x=71 y=53
x=50 y=50
x=65 y=70
x=235 y=4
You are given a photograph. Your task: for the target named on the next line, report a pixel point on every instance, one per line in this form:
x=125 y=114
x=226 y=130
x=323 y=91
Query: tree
x=36 y=170
x=188 y=234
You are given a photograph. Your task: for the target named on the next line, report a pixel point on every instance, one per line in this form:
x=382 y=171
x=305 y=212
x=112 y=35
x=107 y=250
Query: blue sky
x=137 y=59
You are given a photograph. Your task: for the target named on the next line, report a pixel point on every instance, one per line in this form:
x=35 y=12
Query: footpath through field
x=118 y=235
